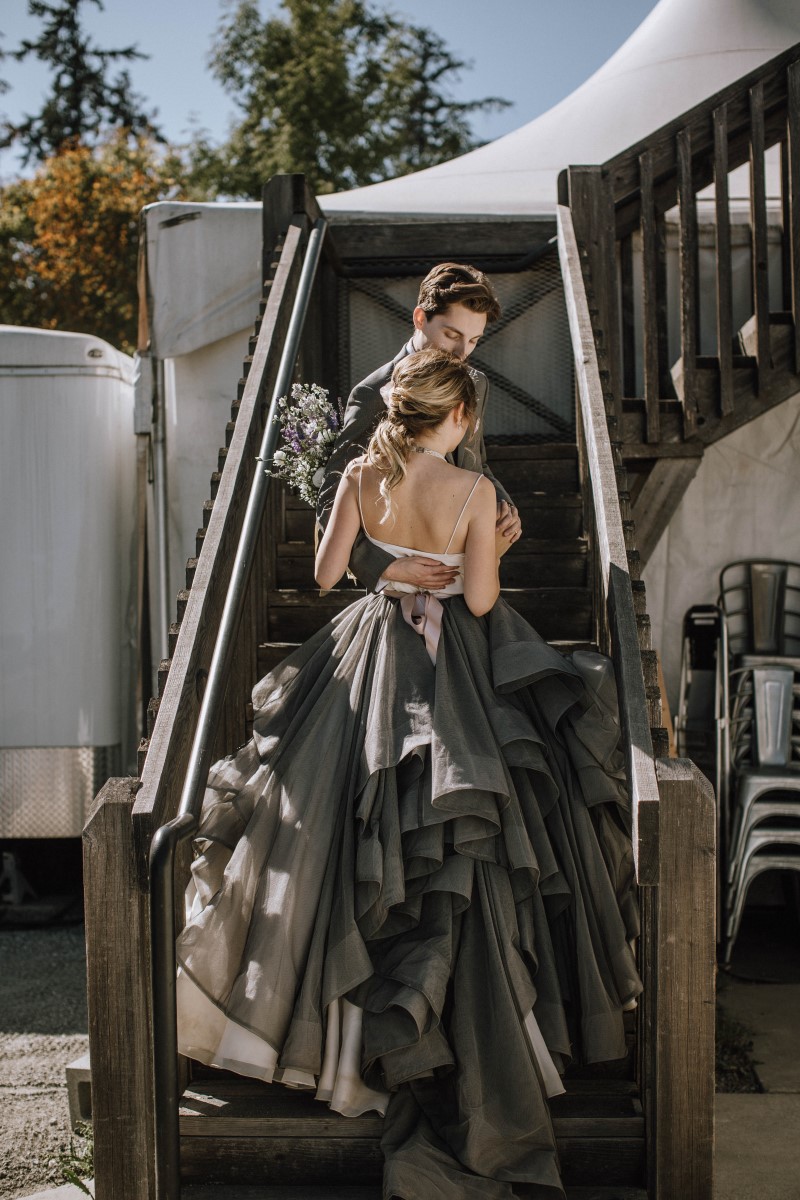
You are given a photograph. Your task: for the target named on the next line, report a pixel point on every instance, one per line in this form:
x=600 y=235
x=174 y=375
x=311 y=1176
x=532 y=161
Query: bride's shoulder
x=483 y=493
x=356 y=466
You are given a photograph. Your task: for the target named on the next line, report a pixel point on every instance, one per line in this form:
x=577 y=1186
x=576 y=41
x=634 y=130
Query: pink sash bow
x=423 y=612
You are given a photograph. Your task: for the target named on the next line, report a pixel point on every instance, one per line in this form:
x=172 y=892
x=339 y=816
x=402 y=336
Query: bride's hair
x=426 y=386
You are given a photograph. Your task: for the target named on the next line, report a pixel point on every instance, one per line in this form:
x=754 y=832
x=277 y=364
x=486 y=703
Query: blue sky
x=532 y=52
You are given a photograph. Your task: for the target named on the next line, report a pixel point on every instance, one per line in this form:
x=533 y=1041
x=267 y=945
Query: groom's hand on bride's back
x=509 y=527
x=426 y=573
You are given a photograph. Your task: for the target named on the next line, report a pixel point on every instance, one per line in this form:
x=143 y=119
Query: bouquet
x=309 y=425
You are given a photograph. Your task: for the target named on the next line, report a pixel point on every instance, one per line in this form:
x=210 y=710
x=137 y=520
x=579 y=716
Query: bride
x=413 y=886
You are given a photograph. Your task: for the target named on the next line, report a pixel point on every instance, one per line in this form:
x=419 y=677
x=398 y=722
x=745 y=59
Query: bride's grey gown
x=413 y=889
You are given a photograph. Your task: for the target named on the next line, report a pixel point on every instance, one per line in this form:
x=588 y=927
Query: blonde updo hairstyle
x=425 y=388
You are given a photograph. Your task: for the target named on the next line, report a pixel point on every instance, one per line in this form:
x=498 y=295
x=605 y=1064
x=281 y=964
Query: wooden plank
x=613 y=562
x=793 y=156
x=584 y=1160
x=277 y=1160
x=659 y=498
x=426 y=240
x=686 y=974
x=627 y=316
x=724 y=284
x=516 y=570
x=333 y=1191
x=652 y=392
x=593 y=215
x=118 y=991
x=259 y=1129
x=538 y=452
x=688 y=274
x=758 y=221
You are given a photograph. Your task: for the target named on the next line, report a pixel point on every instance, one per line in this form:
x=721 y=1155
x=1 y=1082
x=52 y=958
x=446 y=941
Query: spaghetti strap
x=360 y=509
x=460 y=515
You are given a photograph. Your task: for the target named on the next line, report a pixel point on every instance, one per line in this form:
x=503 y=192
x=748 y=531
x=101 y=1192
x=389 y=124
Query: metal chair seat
x=773 y=835
x=757 y=865
x=761 y=810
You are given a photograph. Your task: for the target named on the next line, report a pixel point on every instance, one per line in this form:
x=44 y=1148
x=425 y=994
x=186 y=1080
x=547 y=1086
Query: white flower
x=279 y=457
x=318 y=477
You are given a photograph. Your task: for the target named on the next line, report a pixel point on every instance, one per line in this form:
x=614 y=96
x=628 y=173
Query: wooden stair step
x=543 y=515
x=555 y=612
x=333 y=1191
x=497 y=451
x=243 y=1130
x=543 y=562
x=272 y=654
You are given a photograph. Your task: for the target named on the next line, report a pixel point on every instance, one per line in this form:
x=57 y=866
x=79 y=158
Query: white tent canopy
x=682 y=53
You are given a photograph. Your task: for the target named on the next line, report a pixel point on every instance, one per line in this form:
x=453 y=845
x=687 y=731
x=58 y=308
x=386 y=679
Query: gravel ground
x=42 y=1029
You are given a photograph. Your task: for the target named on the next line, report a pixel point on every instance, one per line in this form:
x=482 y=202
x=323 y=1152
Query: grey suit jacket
x=365 y=407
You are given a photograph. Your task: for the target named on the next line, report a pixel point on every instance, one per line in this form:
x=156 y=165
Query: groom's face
x=456 y=330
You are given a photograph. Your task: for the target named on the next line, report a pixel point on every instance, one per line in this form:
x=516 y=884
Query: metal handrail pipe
x=168 y=836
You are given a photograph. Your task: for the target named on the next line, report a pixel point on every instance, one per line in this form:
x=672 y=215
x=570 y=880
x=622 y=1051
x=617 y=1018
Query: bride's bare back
x=425 y=507
x=424 y=511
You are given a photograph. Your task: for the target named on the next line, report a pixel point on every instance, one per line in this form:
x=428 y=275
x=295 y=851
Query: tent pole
x=160 y=489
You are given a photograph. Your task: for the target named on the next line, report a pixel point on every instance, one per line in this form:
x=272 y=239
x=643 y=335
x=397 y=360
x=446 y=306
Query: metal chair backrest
x=772 y=701
x=761 y=602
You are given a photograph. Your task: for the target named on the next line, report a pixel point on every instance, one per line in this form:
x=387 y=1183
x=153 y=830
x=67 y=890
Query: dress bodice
x=456 y=588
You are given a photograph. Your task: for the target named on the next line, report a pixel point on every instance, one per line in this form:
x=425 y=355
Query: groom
x=455 y=303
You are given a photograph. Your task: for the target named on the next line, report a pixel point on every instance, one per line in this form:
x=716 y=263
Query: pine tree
x=336 y=89
x=83 y=102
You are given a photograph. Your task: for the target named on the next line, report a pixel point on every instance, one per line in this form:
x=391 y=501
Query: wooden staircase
x=237 y=1131
x=592 y=511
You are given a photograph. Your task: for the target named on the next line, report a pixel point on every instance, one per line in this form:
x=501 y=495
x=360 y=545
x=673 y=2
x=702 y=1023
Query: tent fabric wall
x=203 y=273
x=744 y=502
x=200 y=388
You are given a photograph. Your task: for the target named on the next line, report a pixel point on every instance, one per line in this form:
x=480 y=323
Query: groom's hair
x=454 y=283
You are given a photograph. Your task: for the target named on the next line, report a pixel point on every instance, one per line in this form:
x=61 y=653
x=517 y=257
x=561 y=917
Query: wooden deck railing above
x=666 y=407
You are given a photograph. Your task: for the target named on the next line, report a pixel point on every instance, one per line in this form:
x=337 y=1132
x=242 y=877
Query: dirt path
x=42 y=1028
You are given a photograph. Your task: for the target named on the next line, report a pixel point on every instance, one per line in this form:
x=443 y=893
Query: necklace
x=425 y=450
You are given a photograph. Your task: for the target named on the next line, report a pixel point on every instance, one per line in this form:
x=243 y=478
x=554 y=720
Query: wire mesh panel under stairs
x=525 y=355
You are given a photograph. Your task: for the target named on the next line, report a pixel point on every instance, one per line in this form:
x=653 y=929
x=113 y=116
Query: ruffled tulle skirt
x=413 y=891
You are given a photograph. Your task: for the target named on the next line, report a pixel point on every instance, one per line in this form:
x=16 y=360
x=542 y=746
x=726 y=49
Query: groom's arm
x=364 y=409
x=502 y=494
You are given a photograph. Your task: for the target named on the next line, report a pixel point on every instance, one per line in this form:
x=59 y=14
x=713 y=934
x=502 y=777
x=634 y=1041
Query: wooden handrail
x=613 y=559
x=164 y=769
x=673 y=819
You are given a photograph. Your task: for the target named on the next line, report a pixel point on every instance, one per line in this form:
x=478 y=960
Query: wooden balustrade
x=734 y=128
x=672 y=808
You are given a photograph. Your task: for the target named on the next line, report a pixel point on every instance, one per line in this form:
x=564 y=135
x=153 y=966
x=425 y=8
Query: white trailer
x=67 y=585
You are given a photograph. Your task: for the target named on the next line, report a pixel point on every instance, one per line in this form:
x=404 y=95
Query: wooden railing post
x=683 y=993
x=118 y=985
x=592 y=207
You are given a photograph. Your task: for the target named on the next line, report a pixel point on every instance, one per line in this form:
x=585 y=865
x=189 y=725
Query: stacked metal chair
x=758 y=722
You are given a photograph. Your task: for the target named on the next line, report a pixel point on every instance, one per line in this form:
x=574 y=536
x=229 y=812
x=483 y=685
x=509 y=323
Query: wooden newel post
x=686 y=965
x=118 y=958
